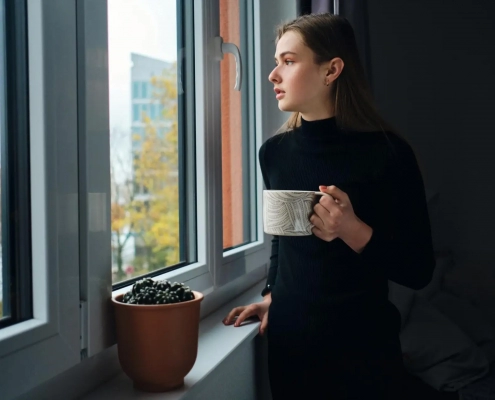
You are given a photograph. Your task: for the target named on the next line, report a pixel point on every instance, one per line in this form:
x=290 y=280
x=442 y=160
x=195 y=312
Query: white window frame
x=224 y=267
x=213 y=269
x=33 y=351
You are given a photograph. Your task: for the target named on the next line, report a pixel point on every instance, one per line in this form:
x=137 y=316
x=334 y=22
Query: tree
x=121 y=205
x=146 y=207
x=156 y=214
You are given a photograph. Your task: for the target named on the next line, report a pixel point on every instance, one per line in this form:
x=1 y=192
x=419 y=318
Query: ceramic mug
x=287 y=212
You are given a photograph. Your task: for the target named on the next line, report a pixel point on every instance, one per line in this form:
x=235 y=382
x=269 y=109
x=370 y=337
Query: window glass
x=3 y=282
x=236 y=229
x=145 y=174
x=235 y=148
x=15 y=188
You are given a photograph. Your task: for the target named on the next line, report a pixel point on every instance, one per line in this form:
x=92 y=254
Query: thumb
x=264 y=323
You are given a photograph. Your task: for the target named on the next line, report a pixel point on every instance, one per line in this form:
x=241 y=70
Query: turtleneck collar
x=320 y=129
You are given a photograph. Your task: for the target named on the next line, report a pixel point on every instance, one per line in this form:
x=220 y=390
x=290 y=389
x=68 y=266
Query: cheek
x=298 y=86
x=302 y=82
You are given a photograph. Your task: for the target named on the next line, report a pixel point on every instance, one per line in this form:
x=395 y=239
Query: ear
x=334 y=69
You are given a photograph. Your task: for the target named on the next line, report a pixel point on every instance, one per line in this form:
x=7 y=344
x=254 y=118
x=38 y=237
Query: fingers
x=248 y=312
x=229 y=319
x=327 y=237
x=259 y=310
x=317 y=232
x=264 y=324
x=321 y=212
x=327 y=203
x=316 y=220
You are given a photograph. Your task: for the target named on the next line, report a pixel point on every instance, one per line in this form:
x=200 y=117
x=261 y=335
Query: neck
x=315 y=116
x=322 y=111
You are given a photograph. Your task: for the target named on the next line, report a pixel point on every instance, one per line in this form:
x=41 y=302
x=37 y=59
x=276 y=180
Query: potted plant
x=157 y=325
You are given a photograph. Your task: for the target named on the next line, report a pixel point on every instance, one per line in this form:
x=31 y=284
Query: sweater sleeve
x=405 y=249
x=272 y=271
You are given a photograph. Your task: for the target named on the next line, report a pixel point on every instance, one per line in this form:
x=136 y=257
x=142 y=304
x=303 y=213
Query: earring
x=327 y=83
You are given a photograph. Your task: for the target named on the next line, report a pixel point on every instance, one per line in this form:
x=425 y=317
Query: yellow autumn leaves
x=150 y=213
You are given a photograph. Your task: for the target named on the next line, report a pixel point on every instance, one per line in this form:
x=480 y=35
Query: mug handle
x=323 y=194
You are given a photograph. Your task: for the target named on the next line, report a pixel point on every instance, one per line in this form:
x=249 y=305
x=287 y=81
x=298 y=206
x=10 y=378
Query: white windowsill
x=216 y=342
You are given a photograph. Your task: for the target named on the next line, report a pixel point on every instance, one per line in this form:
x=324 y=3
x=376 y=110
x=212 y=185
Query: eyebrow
x=285 y=53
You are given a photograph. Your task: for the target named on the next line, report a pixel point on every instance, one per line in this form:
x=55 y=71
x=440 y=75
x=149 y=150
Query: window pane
x=135 y=90
x=144 y=86
x=15 y=193
x=3 y=281
x=145 y=165
x=235 y=151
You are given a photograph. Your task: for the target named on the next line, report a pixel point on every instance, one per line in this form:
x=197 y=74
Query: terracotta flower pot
x=157 y=344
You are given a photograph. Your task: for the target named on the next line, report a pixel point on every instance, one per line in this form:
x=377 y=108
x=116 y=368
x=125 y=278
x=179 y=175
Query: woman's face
x=300 y=83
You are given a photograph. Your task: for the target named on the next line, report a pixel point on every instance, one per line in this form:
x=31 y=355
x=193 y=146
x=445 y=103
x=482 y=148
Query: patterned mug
x=287 y=212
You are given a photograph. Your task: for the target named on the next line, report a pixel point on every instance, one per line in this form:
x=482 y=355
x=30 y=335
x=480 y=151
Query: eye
x=289 y=62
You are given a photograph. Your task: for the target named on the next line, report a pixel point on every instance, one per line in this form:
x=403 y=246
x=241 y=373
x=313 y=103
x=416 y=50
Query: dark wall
x=433 y=69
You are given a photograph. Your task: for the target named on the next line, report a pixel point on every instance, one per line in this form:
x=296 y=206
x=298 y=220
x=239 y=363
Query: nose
x=274 y=76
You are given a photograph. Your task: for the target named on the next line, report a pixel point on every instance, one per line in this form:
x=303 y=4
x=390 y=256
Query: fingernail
x=323 y=187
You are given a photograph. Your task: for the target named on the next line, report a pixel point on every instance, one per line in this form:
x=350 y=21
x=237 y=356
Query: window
x=237 y=155
x=178 y=163
x=15 y=249
x=40 y=190
x=144 y=89
x=135 y=113
x=147 y=167
x=153 y=112
x=4 y=279
x=135 y=90
x=149 y=201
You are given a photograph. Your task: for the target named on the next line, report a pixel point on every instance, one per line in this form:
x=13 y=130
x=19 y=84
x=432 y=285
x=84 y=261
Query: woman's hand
x=259 y=309
x=334 y=216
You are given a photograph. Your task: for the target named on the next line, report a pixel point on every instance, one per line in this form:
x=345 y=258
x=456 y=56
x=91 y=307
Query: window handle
x=222 y=48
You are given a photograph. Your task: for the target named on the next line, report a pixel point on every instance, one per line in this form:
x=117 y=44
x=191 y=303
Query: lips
x=279 y=94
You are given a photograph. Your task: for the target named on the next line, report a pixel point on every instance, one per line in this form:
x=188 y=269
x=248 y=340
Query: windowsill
x=216 y=342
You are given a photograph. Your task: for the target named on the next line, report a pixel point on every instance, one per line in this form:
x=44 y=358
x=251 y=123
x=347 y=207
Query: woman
x=332 y=333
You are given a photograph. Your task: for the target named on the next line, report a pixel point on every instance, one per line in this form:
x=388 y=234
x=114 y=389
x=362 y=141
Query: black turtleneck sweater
x=380 y=174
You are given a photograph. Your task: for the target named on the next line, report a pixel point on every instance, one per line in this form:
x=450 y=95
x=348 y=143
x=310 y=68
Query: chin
x=285 y=107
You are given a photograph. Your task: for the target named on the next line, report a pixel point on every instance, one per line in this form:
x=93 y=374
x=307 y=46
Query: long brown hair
x=330 y=36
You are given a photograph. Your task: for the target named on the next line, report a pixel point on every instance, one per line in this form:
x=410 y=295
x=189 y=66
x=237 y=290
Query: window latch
x=222 y=48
